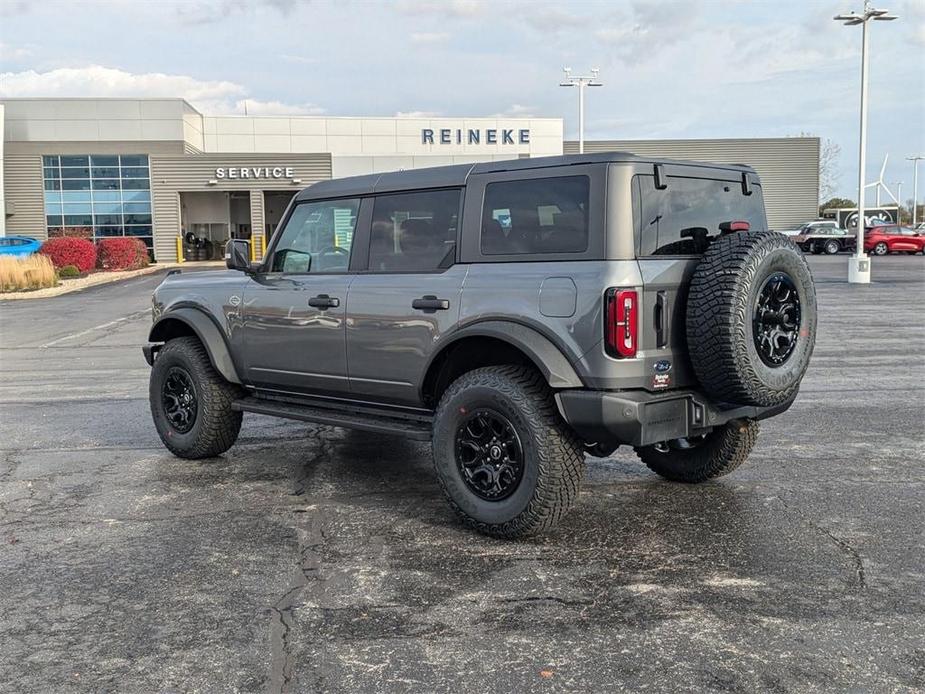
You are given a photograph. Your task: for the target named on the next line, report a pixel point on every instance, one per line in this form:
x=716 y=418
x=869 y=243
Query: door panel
x=291 y=345
x=389 y=343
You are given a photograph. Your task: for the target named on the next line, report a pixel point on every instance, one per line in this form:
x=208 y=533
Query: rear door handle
x=323 y=301
x=430 y=303
x=661 y=320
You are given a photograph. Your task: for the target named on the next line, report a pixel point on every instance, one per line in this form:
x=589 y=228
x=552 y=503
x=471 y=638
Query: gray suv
x=518 y=314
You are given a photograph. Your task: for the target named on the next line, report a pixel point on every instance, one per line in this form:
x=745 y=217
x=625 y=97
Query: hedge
x=81 y=253
x=122 y=253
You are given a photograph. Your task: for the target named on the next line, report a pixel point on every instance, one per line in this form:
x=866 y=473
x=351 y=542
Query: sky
x=670 y=68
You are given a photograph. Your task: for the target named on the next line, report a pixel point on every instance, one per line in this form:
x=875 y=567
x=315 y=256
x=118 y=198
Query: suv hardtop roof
x=457 y=174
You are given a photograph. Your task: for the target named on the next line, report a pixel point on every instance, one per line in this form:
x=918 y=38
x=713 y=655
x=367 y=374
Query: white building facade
x=161 y=171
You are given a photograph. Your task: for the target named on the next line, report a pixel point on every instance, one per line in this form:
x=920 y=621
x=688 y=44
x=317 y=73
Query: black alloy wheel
x=776 y=319
x=489 y=455
x=178 y=395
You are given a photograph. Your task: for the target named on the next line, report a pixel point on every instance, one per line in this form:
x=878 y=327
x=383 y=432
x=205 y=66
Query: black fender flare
x=549 y=359
x=208 y=333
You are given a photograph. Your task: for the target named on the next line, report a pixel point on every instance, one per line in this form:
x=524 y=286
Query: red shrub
x=62 y=251
x=122 y=253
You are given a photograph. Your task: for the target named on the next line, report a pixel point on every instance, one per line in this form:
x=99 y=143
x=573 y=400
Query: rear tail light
x=621 y=322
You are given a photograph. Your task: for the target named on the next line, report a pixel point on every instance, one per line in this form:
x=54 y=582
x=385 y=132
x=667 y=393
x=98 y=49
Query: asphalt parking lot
x=315 y=559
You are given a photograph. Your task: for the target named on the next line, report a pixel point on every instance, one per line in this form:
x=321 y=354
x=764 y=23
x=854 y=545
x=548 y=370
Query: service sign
x=255 y=172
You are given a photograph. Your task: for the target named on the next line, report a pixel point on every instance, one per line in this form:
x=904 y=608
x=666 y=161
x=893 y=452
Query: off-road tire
x=553 y=456
x=216 y=426
x=721 y=452
x=720 y=310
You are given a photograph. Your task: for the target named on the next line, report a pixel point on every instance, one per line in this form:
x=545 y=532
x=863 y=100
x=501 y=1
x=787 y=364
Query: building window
x=98 y=195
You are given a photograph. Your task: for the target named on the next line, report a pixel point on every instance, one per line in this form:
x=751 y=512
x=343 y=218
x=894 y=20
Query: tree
x=836 y=203
x=829 y=153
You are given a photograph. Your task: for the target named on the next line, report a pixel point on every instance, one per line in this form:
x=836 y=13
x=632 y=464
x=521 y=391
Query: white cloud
x=209 y=11
x=14 y=53
x=299 y=59
x=211 y=96
x=426 y=37
x=516 y=111
x=466 y=9
x=417 y=114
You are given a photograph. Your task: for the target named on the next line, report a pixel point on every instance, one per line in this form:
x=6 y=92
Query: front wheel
x=191 y=403
x=832 y=247
x=508 y=464
x=881 y=249
x=702 y=458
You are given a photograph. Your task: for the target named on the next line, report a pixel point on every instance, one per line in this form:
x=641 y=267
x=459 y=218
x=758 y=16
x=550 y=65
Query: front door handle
x=430 y=303
x=323 y=301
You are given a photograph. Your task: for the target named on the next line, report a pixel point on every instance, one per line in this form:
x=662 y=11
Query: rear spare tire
x=751 y=319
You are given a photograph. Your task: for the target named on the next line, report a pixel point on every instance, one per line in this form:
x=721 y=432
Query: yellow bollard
x=263 y=246
x=180 y=258
x=253 y=247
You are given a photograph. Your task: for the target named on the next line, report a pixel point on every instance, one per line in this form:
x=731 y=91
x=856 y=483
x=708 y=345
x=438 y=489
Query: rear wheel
x=881 y=249
x=191 y=403
x=508 y=464
x=702 y=458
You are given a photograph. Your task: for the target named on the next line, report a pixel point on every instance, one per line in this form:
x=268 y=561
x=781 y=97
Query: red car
x=892 y=238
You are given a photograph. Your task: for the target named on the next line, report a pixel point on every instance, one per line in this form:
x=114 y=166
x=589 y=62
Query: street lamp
x=581 y=81
x=859 y=263
x=899 y=204
x=915 y=186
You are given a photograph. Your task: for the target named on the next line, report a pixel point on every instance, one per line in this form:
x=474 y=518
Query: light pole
x=581 y=81
x=899 y=205
x=915 y=187
x=859 y=263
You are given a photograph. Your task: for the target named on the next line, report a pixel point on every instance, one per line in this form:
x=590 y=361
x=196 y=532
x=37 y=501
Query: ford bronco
x=518 y=314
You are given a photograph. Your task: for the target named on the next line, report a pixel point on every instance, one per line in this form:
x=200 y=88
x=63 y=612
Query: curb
x=94 y=280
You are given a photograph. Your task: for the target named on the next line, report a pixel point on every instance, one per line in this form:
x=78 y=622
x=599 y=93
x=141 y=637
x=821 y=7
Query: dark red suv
x=892 y=238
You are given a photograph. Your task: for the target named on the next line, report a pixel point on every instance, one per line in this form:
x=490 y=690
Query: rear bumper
x=640 y=418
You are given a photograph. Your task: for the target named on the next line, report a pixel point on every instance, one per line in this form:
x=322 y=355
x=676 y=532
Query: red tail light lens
x=621 y=324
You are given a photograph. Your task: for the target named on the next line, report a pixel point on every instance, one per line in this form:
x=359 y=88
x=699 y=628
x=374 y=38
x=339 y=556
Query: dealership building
x=160 y=170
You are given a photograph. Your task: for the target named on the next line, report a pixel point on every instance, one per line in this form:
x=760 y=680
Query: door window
x=683 y=218
x=538 y=215
x=414 y=232
x=317 y=238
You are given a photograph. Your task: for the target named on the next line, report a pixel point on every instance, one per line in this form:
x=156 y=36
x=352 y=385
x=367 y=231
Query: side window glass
x=414 y=232
x=534 y=216
x=683 y=218
x=317 y=237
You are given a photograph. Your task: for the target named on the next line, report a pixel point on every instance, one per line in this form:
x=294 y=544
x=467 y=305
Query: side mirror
x=238 y=255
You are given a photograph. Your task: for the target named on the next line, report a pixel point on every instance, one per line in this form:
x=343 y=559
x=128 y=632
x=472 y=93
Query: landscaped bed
x=67 y=263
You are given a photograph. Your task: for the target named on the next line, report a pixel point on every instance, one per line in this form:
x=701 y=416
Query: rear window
x=536 y=216
x=683 y=218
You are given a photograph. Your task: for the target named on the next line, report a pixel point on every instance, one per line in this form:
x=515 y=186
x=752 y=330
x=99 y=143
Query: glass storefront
x=98 y=195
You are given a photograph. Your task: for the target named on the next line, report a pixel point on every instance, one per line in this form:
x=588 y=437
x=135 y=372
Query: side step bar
x=419 y=429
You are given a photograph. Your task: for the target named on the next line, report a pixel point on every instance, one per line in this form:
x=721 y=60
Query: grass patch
x=19 y=274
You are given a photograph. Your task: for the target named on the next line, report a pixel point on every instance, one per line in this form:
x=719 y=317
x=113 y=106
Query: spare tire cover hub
x=776 y=320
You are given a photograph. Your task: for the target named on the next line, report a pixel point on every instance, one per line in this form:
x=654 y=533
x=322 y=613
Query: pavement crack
x=845 y=546
x=548 y=598
x=311 y=537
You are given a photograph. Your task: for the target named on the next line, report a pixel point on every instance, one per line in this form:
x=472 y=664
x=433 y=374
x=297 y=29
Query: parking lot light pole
x=859 y=263
x=915 y=187
x=581 y=81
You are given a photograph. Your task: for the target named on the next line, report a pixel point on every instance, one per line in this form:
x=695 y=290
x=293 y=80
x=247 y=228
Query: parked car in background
x=824 y=237
x=892 y=238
